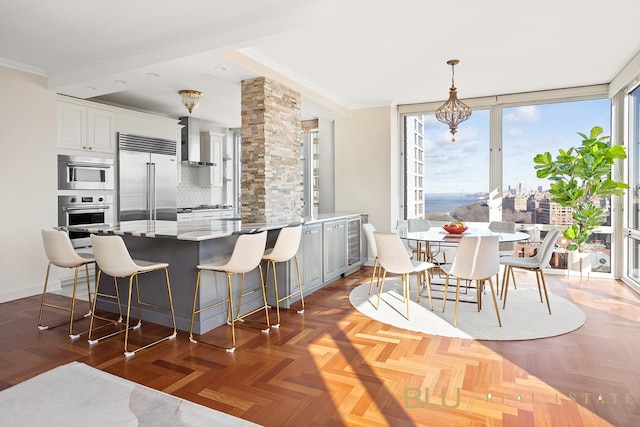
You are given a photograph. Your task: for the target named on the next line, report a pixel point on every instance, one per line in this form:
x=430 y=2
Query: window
x=532 y=129
x=486 y=176
x=633 y=215
x=453 y=177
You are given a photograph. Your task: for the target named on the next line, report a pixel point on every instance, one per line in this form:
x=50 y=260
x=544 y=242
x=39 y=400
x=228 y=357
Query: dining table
x=437 y=236
x=436 y=239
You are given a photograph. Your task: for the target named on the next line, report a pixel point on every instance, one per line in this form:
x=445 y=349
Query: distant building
x=414 y=167
x=554 y=213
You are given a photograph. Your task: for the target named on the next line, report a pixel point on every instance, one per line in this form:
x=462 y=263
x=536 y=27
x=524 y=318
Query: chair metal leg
x=193 y=311
x=495 y=301
x=44 y=293
x=140 y=302
x=540 y=277
x=230 y=315
x=455 y=312
x=95 y=316
x=446 y=287
x=233 y=318
x=505 y=286
x=384 y=276
x=71 y=310
x=275 y=288
x=405 y=292
x=272 y=264
x=299 y=285
x=373 y=275
x=240 y=317
x=427 y=280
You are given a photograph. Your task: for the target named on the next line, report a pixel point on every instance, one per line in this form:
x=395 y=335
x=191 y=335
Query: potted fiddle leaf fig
x=581 y=179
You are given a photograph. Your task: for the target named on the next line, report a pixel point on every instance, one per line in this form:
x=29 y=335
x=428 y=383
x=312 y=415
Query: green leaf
x=579 y=176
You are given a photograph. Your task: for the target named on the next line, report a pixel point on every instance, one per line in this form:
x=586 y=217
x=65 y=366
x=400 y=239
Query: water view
x=447 y=202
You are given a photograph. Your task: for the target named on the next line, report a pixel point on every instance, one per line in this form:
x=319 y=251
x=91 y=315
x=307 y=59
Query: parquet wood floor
x=332 y=366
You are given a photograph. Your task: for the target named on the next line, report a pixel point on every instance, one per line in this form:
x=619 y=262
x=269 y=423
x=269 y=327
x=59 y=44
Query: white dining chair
x=535 y=263
x=393 y=259
x=476 y=259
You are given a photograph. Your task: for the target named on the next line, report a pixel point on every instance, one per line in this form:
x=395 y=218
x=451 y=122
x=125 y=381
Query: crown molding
x=22 y=67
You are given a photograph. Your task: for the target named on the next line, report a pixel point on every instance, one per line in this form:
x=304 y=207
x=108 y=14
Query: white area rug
x=79 y=395
x=524 y=318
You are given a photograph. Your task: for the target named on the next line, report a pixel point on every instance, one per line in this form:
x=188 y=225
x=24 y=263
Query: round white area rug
x=524 y=318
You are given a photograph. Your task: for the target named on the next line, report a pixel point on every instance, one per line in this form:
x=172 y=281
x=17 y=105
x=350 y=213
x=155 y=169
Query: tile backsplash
x=190 y=194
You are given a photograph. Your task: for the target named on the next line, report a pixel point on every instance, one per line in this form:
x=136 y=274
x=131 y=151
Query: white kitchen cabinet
x=211 y=151
x=85 y=129
x=334 y=238
x=207 y=214
x=311 y=248
x=185 y=216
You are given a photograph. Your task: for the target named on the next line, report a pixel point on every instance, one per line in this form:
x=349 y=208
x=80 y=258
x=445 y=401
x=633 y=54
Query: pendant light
x=453 y=112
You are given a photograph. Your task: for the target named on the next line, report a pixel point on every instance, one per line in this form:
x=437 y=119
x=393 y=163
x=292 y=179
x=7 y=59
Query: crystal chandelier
x=453 y=112
x=190 y=99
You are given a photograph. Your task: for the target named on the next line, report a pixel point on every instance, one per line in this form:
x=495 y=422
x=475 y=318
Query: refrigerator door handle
x=152 y=190
x=148 y=190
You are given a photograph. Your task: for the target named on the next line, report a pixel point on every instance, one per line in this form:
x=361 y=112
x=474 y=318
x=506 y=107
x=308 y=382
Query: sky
x=527 y=131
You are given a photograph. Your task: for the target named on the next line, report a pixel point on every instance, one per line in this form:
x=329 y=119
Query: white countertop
x=198 y=230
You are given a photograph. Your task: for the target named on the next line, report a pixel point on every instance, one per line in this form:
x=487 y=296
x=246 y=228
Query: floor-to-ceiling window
x=633 y=211
x=488 y=173
x=531 y=129
x=446 y=180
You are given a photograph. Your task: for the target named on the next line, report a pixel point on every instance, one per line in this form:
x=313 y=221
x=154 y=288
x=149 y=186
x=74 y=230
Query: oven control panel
x=85 y=200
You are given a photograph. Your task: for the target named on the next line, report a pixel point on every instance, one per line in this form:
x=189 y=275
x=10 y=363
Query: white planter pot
x=579 y=261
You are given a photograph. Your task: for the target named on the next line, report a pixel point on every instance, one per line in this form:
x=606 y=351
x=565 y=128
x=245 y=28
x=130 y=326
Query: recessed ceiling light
x=121 y=82
x=220 y=69
x=91 y=88
x=153 y=75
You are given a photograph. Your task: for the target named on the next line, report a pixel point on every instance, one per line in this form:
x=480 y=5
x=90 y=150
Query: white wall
x=366 y=165
x=28 y=186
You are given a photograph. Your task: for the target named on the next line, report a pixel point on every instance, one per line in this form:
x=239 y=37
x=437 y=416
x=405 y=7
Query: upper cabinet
x=85 y=128
x=211 y=151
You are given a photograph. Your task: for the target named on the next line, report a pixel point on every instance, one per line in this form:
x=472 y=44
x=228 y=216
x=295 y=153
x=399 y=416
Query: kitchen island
x=185 y=244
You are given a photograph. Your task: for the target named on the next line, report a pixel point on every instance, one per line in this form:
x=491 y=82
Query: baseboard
x=54 y=285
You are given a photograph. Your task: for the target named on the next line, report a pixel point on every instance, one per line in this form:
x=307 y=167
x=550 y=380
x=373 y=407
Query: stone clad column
x=271 y=183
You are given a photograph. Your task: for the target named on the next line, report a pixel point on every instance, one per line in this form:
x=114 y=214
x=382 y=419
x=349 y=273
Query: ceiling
x=340 y=55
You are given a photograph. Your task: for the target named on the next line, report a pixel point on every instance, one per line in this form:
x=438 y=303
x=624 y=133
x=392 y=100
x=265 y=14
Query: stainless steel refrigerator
x=147 y=178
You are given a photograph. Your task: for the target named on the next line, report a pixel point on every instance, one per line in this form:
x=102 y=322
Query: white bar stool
x=114 y=259
x=285 y=249
x=246 y=256
x=61 y=253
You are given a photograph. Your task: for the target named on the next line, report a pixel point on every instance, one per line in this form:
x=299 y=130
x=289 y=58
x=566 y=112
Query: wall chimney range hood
x=191 y=142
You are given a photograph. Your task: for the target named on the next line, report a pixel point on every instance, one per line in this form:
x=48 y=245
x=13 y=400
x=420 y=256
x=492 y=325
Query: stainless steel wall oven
x=83 y=210
x=84 y=173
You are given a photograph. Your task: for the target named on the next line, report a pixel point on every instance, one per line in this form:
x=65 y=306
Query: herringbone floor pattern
x=333 y=366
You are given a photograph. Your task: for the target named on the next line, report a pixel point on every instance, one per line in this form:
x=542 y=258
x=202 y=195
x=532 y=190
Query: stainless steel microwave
x=84 y=173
